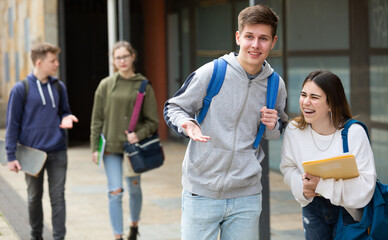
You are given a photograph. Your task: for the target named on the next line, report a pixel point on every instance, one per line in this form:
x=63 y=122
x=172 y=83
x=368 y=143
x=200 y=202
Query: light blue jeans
x=206 y=218
x=114 y=172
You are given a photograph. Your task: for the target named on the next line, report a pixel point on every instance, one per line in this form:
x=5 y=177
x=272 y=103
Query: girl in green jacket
x=114 y=100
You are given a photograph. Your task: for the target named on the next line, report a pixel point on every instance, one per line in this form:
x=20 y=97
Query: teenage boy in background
x=221 y=169
x=36 y=118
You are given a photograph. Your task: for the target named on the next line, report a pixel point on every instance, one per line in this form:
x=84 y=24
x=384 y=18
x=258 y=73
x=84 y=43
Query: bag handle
x=138 y=104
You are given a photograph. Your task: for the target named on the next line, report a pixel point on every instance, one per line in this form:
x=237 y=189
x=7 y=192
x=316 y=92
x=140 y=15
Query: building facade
x=22 y=23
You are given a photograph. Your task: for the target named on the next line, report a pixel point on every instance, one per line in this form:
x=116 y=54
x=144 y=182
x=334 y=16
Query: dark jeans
x=56 y=166
x=320 y=219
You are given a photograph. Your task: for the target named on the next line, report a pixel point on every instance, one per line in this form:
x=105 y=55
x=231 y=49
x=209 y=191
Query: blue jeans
x=206 y=218
x=320 y=219
x=56 y=167
x=114 y=172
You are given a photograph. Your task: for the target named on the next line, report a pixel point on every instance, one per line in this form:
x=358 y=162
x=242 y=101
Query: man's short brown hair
x=258 y=14
x=40 y=50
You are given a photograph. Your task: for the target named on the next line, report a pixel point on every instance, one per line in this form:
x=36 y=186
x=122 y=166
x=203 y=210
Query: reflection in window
x=300 y=67
x=378 y=23
x=274 y=152
x=313 y=25
x=277 y=64
x=238 y=7
x=380 y=152
x=203 y=60
x=214 y=35
x=213 y=32
x=276 y=5
x=379 y=88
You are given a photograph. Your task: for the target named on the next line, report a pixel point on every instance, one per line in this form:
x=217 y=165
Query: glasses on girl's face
x=122 y=58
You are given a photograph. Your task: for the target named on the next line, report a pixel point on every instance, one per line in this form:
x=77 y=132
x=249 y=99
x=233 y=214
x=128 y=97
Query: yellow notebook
x=339 y=167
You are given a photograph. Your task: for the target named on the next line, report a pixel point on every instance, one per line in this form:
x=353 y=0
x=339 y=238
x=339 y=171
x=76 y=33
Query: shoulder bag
x=374 y=222
x=148 y=153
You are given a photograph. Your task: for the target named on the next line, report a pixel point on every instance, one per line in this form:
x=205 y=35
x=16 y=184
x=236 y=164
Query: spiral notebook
x=340 y=167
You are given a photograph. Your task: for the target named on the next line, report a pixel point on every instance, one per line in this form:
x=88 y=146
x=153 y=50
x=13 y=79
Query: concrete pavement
x=87 y=204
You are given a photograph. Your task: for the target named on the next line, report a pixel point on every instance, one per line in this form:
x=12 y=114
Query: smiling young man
x=36 y=118
x=221 y=170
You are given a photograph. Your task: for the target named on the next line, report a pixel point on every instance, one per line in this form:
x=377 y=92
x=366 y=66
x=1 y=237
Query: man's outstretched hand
x=67 y=122
x=194 y=131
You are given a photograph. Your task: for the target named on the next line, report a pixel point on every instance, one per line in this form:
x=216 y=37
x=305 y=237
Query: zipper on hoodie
x=234 y=138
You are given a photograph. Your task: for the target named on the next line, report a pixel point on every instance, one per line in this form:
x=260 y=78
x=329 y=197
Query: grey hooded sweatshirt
x=227 y=166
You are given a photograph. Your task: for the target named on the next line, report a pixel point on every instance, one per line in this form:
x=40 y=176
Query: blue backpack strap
x=272 y=93
x=345 y=130
x=143 y=86
x=214 y=86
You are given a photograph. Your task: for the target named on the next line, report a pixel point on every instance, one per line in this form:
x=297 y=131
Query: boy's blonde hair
x=40 y=50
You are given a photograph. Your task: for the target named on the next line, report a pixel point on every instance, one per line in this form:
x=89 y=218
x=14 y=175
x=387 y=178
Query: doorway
x=83 y=39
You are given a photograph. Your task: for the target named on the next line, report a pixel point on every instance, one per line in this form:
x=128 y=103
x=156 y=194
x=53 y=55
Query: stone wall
x=22 y=24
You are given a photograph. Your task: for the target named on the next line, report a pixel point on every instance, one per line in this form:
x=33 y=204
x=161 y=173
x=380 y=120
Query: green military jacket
x=114 y=101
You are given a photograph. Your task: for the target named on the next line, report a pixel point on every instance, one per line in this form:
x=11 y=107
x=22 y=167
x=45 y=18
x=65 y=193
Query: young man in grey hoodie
x=221 y=169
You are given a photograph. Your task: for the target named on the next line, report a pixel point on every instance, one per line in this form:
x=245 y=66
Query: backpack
x=374 y=222
x=214 y=87
x=27 y=88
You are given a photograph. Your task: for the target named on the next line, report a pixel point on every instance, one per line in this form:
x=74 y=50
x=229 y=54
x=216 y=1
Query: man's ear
x=38 y=62
x=275 y=39
x=237 y=38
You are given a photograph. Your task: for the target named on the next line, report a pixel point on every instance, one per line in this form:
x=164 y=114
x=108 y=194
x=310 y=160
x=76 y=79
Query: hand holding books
x=340 y=167
x=310 y=183
x=101 y=149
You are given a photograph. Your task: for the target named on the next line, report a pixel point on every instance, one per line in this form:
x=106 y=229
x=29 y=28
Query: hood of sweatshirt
x=117 y=76
x=51 y=81
x=231 y=58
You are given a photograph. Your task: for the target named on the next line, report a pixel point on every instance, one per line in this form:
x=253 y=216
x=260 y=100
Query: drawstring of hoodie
x=42 y=96
x=51 y=94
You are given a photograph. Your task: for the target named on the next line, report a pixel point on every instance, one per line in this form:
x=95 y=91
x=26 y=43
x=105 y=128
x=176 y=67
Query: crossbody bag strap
x=138 y=104
x=272 y=93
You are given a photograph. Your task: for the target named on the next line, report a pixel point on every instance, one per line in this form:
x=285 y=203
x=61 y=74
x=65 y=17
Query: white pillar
x=111 y=29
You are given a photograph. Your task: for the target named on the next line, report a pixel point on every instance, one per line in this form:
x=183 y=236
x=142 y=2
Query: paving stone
x=87 y=200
